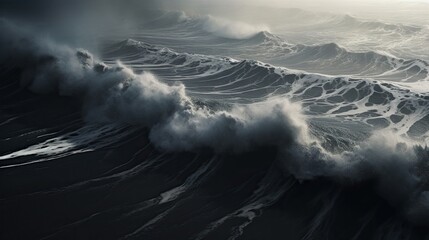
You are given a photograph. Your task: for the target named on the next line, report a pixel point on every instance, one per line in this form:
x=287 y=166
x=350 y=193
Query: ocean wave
x=379 y=103
x=333 y=59
x=219 y=27
x=255 y=41
x=178 y=122
x=354 y=23
x=231 y=29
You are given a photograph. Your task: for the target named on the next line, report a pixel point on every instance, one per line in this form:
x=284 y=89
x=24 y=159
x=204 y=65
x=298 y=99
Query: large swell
x=210 y=35
x=185 y=124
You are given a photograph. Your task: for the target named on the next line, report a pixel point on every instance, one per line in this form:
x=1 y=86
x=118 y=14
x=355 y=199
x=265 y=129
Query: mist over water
x=240 y=109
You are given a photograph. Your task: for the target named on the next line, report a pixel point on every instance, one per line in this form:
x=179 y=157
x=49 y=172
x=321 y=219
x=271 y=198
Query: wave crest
x=231 y=29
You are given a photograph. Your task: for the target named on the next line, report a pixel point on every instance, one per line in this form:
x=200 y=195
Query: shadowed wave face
x=220 y=129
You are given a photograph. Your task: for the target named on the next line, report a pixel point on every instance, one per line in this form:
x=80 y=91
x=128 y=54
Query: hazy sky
x=407 y=11
x=412 y=11
x=323 y=5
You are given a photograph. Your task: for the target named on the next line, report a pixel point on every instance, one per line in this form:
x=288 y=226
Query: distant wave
x=354 y=24
x=231 y=29
x=329 y=58
x=170 y=18
x=219 y=27
x=339 y=60
x=333 y=59
x=265 y=38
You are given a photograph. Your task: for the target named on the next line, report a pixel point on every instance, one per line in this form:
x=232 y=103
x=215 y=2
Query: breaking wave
x=256 y=42
x=180 y=103
x=230 y=29
x=216 y=26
